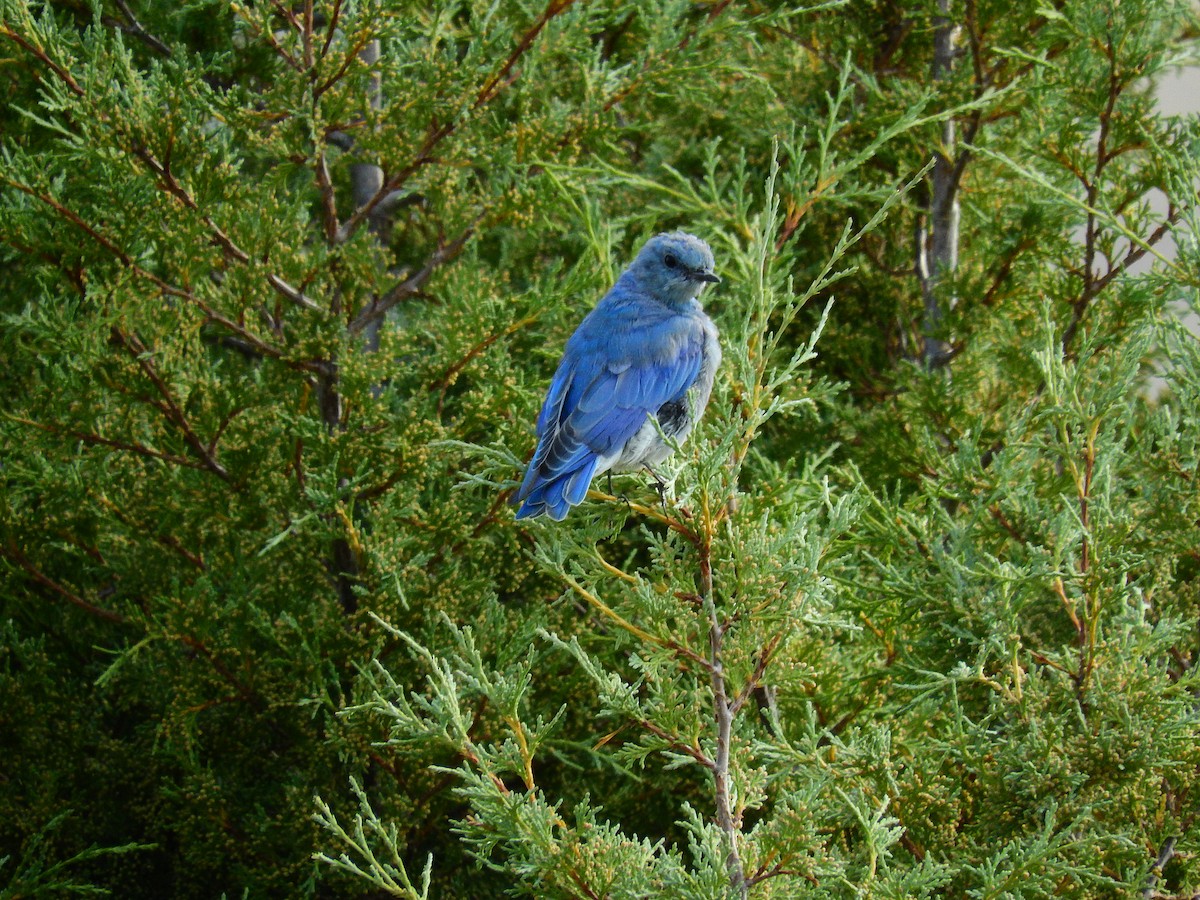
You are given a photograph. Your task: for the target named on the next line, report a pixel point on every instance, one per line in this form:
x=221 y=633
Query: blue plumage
x=640 y=366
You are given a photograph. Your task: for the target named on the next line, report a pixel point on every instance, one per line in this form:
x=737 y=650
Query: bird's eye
x=670 y=261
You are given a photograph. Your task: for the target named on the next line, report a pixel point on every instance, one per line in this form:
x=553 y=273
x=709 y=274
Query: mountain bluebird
x=638 y=369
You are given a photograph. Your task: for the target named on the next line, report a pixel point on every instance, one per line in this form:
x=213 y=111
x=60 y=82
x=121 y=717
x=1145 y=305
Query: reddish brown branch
x=436 y=134
x=135 y=28
x=331 y=27
x=90 y=438
x=678 y=745
x=500 y=78
x=1004 y=523
x=763 y=873
x=221 y=426
x=286 y=14
x=450 y=375
x=75 y=219
x=306 y=34
x=63 y=75
x=352 y=56
x=760 y=667
x=169 y=540
x=329 y=216
x=267 y=33
x=253 y=342
x=1138 y=251
x=14 y=553
x=1003 y=270
x=583 y=886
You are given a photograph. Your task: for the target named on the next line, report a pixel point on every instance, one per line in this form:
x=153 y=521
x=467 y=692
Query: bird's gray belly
x=673 y=422
x=653 y=442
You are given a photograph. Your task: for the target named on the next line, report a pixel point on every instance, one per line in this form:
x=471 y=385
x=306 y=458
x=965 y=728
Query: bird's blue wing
x=605 y=387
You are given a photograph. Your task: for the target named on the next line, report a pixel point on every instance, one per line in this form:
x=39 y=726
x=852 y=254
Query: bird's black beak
x=706 y=276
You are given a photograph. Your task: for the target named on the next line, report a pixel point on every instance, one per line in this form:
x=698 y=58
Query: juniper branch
x=723 y=714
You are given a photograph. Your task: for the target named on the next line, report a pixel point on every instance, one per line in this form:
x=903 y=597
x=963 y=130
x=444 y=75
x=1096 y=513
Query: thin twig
x=246 y=693
x=434 y=136
x=357 y=53
x=763 y=873
x=667 y=643
x=1004 y=268
x=254 y=342
x=1087 y=627
x=612 y=615
x=378 y=308
x=1092 y=186
x=331 y=27
x=169 y=540
x=439 y=131
x=306 y=34
x=275 y=45
x=452 y=372
x=760 y=667
x=650 y=512
x=1138 y=251
x=329 y=216
x=137 y=30
x=169 y=184
x=170 y=407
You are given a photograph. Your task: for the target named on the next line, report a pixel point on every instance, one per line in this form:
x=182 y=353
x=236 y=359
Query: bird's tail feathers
x=555 y=495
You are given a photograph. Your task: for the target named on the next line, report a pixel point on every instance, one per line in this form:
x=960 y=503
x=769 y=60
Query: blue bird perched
x=635 y=375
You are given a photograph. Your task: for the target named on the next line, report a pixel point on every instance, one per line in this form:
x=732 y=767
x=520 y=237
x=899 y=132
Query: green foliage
x=36 y=876
x=285 y=285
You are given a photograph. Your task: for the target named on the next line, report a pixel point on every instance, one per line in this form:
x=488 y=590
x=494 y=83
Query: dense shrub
x=284 y=286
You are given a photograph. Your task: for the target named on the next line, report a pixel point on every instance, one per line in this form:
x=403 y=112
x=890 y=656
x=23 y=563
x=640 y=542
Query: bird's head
x=674 y=267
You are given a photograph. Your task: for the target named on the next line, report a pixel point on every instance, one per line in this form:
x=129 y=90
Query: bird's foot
x=661 y=487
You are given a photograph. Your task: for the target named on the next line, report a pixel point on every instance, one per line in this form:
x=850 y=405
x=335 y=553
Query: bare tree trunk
x=937 y=238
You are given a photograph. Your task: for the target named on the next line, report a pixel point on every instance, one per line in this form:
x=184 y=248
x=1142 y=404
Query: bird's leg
x=620 y=497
